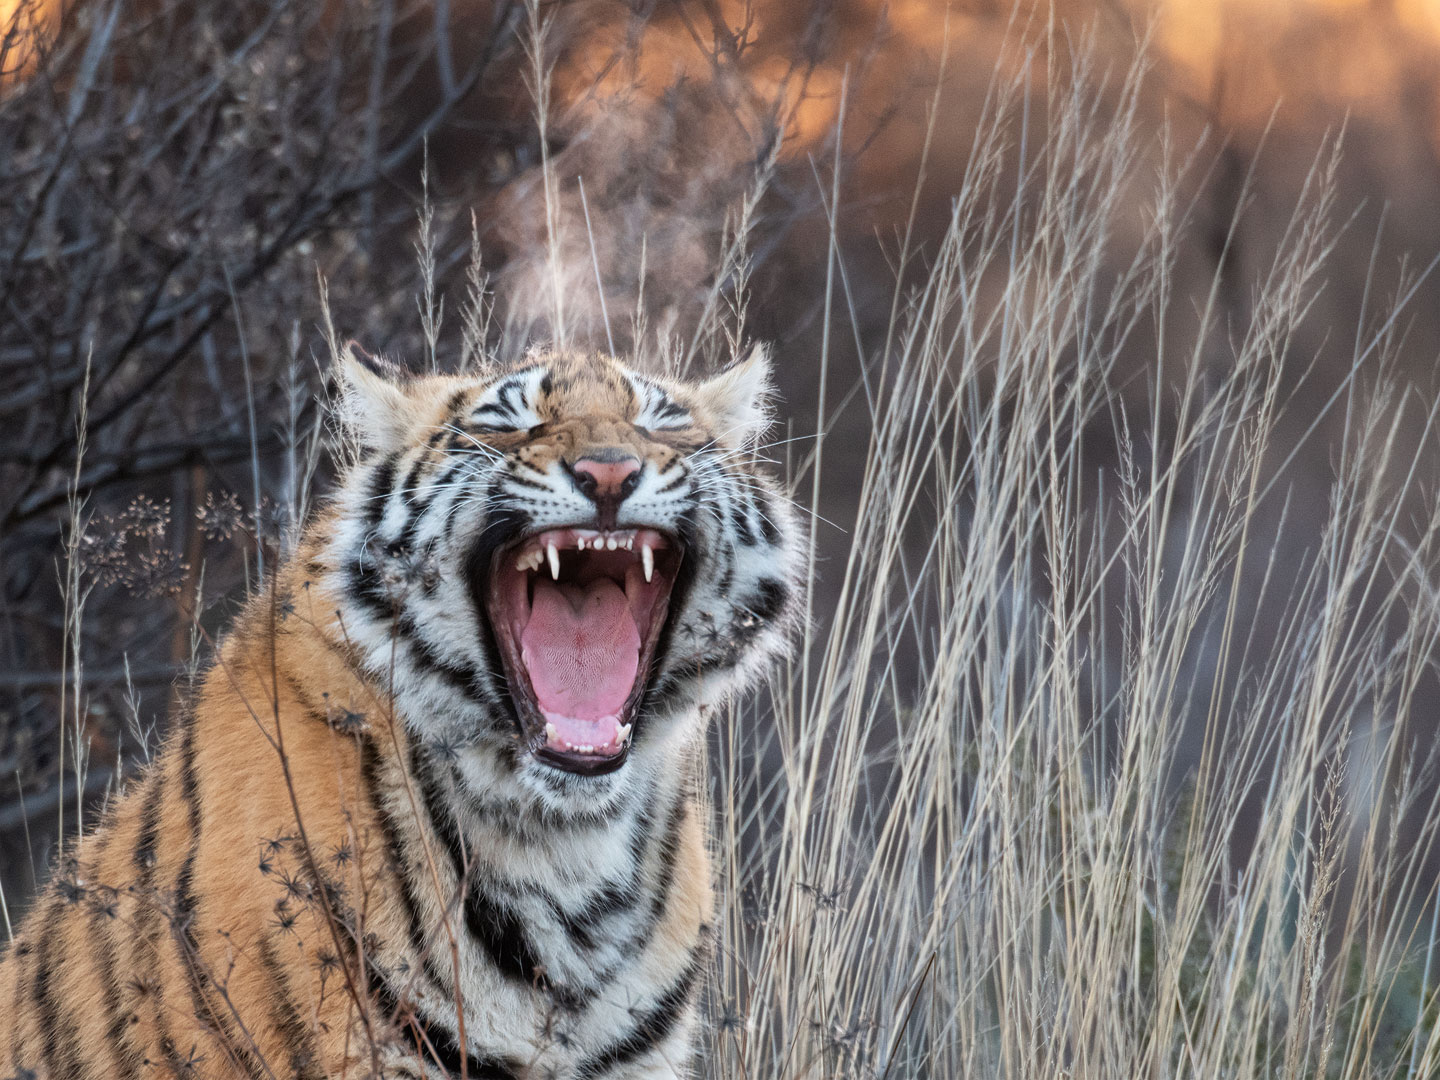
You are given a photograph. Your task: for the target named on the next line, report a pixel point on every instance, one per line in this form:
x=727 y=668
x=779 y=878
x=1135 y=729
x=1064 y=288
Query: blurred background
x=178 y=177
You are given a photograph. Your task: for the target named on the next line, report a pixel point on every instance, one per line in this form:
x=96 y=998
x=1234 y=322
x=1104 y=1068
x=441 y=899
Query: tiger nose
x=601 y=479
x=607 y=481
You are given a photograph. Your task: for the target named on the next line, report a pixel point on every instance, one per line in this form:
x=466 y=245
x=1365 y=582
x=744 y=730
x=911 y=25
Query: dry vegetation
x=1002 y=861
x=1110 y=749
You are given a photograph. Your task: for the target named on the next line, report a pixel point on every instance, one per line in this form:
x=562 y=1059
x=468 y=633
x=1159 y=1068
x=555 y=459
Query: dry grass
x=1044 y=795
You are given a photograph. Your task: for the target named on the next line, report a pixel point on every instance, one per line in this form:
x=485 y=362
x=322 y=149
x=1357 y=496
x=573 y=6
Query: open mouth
x=577 y=614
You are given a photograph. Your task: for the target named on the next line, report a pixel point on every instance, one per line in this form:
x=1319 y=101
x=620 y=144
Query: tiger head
x=557 y=568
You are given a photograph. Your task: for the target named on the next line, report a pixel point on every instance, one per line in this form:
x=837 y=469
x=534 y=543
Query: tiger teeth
x=545 y=549
x=550 y=732
x=624 y=733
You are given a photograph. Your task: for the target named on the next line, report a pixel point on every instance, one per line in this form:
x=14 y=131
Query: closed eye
x=658 y=410
x=506 y=407
x=670 y=418
x=494 y=418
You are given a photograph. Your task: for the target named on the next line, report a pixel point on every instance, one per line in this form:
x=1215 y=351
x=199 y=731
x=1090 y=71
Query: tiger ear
x=375 y=404
x=739 y=399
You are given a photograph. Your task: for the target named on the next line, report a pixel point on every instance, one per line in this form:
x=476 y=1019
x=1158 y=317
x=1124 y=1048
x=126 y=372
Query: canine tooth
x=648 y=558
x=554 y=557
x=624 y=732
x=550 y=732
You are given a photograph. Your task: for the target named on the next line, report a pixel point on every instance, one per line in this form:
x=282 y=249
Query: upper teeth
x=545 y=549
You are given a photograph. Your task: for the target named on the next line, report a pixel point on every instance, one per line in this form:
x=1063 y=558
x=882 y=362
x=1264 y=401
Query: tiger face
x=556 y=568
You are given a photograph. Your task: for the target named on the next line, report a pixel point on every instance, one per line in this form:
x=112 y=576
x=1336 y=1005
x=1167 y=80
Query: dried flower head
x=219 y=518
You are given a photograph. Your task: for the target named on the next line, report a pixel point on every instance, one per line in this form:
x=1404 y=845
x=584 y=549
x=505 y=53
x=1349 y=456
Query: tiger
x=436 y=806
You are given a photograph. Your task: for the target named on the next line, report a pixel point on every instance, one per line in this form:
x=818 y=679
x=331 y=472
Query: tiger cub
x=435 y=810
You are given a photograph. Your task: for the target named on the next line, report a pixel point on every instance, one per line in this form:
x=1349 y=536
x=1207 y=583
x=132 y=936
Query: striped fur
x=346 y=862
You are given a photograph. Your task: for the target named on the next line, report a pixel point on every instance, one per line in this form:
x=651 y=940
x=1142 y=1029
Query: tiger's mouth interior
x=577 y=614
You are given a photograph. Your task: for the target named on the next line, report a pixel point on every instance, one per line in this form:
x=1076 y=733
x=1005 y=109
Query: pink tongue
x=582 y=649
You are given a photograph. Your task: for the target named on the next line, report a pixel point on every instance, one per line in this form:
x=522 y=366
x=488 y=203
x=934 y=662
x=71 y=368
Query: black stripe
x=399 y=865
x=498 y=410
x=677 y=482
x=439 y=486
x=439 y=1036
x=382 y=481
x=740 y=518
x=189 y=782
x=606 y=902
x=144 y=855
x=520 y=481
x=768 y=528
x=300 y=1049
x=490 y=922
x=59 y=1037
x=183 y=926
x=588 y=920
x=128 y=1057
x=534 y=823
x=460 y=675
x=500 y=525
x=146 y=960
x=406 y=490
x=104 y=914
x=442 y=820
x=768 y=600
x=669 y=851
x=727 y=577
x=512 y=394
x=613 y=897
x=576 y=929
x=365 y=585
x=651 y=1028
x=18 y=953
x=494 y=926
x=502 y=934
x=659 y=689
